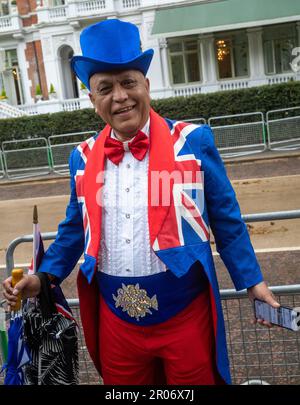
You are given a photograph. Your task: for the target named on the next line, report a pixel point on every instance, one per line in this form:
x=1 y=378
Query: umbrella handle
x=17 y=275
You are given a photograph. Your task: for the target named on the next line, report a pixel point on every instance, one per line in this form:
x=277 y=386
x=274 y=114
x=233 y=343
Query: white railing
x=5 y=22
x=234 y=85
x=283 y=78
x=186 y=91
x=71 y=105
x=57 y=13
x=85 y=7
x=51 y=106
x=10 y=23
x=131 y=3
x=9 y=111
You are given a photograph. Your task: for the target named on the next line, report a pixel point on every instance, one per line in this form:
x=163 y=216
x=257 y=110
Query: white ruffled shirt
x=125 y=246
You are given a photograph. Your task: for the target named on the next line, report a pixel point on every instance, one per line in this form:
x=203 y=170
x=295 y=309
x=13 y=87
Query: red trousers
x=185 y=345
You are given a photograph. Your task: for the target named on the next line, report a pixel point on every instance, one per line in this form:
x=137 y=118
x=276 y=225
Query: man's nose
x=119 y=93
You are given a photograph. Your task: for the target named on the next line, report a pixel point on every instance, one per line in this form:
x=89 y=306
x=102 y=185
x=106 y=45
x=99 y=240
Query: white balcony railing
x=10 y=23
x=5 y=22
x=86 y=7
x=58 y=13
x=283 y=78
x=234 y=85
x=131 y=3
x=186 y=90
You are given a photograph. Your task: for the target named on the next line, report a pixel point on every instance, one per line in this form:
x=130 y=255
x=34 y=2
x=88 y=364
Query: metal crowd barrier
x=2 y=172
x=235 y=135
x=257 y=355
x=239 y=134
x=21 y=160
x=60 y=149
x=284 y=129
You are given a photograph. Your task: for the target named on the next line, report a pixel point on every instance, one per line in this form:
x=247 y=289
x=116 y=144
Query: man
x=140 y=211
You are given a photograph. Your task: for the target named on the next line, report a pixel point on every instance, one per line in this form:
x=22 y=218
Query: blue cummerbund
x=149 y=300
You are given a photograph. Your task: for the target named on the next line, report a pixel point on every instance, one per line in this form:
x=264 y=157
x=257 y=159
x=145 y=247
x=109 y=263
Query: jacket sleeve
x=230 y=232
x=63 y=254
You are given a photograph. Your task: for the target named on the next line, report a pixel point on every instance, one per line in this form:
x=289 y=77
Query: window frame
x=229 y=36
x=8 y=3
x=10 y=67
x=184 y=52
x=273 y=41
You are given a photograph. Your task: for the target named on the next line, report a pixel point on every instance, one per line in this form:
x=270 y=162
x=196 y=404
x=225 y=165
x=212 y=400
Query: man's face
x=122 y=100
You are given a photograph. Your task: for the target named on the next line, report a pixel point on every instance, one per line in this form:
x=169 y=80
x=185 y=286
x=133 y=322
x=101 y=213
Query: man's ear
x=147 y=84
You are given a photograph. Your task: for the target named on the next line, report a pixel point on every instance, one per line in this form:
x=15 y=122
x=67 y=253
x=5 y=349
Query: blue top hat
x=110 y=45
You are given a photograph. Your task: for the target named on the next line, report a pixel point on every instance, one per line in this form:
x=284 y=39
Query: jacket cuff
x=240 y=260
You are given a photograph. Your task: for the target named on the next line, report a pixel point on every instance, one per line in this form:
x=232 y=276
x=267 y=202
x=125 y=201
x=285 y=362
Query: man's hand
x=28 y=286
x=263 y=293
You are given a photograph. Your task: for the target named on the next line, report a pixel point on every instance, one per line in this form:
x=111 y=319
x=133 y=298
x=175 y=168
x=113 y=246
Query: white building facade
x=200 y=46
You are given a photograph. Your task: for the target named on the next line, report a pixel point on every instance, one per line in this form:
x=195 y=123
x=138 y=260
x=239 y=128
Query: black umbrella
x=52 y=341
x=50 y=331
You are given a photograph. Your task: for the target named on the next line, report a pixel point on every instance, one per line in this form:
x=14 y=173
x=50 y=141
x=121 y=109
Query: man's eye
x=129 y=83
x=104 y=90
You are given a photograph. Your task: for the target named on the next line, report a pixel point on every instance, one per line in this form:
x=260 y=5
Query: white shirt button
x=128 y=270
x=127 y=189
x=128 y=240
x=127 y=216
x=128 y=166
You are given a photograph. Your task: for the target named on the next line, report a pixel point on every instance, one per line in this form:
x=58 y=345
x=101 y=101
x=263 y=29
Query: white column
x=208 y=63
x=43 y=14
x=163 y=47
x=72 y=9
x=159 y=81
x=23 y=66
x=256 y=56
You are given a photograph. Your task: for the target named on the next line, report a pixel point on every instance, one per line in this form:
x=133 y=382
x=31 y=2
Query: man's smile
x=124 y=110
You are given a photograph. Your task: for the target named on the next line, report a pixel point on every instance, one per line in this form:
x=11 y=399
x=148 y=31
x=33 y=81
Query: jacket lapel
x=160 y=193
x=161 y=166
x=93 y=187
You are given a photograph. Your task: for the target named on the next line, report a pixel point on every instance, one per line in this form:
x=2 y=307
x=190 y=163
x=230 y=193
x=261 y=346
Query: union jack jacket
x=199 y=198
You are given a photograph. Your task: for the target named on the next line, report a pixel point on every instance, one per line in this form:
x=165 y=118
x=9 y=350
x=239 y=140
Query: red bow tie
x=114 y=149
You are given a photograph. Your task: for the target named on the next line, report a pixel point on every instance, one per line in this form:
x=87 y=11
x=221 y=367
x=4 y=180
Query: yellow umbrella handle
x=17 y=274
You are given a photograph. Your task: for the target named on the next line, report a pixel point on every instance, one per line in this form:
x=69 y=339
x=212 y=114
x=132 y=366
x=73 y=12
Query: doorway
x=68 y=78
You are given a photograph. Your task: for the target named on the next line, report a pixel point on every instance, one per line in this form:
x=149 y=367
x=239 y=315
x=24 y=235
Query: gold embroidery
x=135 y=301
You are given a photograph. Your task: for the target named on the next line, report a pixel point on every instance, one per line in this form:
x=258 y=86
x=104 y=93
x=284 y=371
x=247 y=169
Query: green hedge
x=263 y=98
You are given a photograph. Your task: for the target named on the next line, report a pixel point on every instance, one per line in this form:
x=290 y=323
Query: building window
x=57 y=3
x=4 y=7
x=232 y=55
x=279 y=42
x=11 y=79
x=184 y=57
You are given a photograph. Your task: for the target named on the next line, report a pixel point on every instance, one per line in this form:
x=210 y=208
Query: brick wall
x=26 y=7
x=33 y=51
x=36 y=70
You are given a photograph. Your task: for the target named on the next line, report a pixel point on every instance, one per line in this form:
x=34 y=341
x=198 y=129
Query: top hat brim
x=85 y=67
